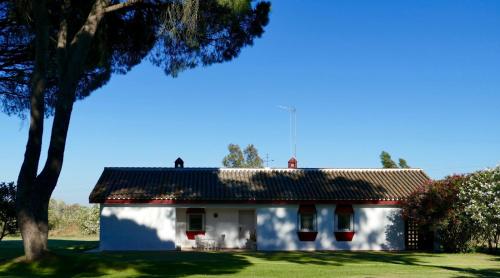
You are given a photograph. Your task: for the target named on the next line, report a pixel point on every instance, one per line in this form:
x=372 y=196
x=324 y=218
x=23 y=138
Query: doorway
x=247 y=232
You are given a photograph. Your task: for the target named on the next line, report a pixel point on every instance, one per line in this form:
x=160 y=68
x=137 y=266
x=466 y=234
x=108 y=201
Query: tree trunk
x=34 y=190
x=4 y=231
x=33 y=223
x=28 y=205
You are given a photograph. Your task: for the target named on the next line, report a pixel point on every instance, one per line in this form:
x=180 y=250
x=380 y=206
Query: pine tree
x=403 y=164
x=386 y=160
x=54 y=53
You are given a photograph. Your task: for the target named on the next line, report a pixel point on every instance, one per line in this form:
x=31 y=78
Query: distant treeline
x=72 y=219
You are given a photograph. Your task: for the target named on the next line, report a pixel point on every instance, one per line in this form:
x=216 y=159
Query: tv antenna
x=293 y=128
x=267 y=160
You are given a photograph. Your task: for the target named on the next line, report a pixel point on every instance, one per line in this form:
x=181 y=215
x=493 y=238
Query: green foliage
x=464 y=211
x=249 y=158
x=65 y=219
x=437 y=210
x=252 y=158
x=235 y=157
x=237 y=6
x=89 y=220
x=480 y=198
x=173 y=35
x=403 y=164
x=8 y=220
x=387 y=162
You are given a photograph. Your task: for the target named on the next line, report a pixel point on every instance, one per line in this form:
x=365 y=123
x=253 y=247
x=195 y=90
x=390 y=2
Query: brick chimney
x=179 y=163
x=292 y=163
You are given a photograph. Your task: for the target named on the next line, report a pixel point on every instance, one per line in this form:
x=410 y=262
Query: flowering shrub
x=436 y=209
x=480 y=199
x=89 y=220
x=66 y=219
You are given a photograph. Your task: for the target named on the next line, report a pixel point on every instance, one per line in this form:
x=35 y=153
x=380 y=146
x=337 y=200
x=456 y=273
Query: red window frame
x=191 y=234
x=344 y=235
x=307 y=235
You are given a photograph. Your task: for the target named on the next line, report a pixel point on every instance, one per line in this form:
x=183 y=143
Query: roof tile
x=220 y=184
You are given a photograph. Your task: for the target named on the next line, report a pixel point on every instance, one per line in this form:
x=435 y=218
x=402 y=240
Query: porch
x=215 y=228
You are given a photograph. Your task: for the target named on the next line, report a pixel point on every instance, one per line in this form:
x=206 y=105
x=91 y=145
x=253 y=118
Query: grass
x=69 y=259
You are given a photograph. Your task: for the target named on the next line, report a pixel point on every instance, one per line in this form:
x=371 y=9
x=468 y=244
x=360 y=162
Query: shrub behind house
x=436 y=209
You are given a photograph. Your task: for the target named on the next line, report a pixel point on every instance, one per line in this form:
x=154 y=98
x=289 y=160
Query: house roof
x=178 y=185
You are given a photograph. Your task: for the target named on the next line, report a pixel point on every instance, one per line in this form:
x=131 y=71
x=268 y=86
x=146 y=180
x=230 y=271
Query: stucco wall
x=226 y=223
x=137 y=227
x=154 y=227
x=376 y=228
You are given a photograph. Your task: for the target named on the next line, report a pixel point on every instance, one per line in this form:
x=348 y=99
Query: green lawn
x=69 y=259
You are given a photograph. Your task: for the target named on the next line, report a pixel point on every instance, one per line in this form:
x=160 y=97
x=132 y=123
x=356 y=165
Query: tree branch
x=122 y=5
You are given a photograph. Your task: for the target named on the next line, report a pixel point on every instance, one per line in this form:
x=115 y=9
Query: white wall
x=156 y=227
x=226 y=224
x=376 y=228
x=137 y=227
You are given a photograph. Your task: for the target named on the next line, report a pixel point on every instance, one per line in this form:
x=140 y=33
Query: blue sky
x=419 y=79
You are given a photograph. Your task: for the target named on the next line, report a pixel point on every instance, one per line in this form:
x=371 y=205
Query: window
x=196 y=222
x=344 y=216
x=307 y=218
x=195 y=219
x=307 y=222
x=344 y=222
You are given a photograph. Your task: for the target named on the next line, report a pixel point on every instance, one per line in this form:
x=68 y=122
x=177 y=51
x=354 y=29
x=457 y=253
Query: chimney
x=179 y=163
x=292 y=163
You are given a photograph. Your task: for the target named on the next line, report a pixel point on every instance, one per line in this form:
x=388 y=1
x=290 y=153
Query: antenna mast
x=267 y=160
x=293 y=128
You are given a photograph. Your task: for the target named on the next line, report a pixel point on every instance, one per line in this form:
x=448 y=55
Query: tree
x=8 y=221
x=252 y=158
x=249 y=158
x=386 y=160
x=480 y=197
x=403 y=164
x=57 y=52
x=235 y=157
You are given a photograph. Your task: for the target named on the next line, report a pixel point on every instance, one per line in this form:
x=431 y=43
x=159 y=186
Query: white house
x=263 y=209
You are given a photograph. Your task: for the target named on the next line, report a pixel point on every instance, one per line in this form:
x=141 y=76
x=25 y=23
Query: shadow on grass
x=341 y=258
x=470 y=272
x=69 y=260
x=325 y=258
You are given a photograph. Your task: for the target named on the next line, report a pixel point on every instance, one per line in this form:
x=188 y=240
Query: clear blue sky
x=419 y=79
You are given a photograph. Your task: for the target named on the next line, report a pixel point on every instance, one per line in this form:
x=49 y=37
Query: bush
x=65 y=219
x=8 y=219
x=89 y=220
x=480 y=198
x=436 y=209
